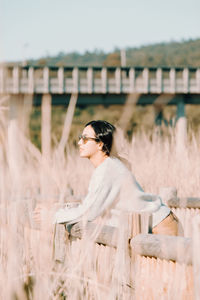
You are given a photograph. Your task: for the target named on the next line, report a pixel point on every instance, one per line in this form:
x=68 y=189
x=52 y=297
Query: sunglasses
x=85 y=139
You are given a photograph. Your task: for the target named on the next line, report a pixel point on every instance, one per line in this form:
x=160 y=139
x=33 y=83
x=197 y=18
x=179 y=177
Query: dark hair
x=104 y=133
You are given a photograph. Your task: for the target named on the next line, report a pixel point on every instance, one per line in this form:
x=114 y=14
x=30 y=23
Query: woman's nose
x=79 y=142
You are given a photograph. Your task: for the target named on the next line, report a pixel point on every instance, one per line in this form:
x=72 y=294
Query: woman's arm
x=101 y=195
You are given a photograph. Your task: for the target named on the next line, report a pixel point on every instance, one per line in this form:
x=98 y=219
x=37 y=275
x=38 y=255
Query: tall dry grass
x=26 y=178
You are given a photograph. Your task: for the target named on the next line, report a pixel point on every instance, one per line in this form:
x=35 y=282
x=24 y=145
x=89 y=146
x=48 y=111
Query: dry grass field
x=27 y=178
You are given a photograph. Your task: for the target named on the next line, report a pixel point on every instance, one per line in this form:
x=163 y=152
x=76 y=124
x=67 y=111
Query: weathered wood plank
x=107 y=235
x=184 y=202
x=164 y=247
x=59 y=243
x=169 y=197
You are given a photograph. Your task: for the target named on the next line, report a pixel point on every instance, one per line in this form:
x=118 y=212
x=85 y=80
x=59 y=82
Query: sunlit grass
x=26 y=178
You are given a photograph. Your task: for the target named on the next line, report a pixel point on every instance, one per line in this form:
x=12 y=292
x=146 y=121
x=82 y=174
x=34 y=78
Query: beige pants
x=168 y=226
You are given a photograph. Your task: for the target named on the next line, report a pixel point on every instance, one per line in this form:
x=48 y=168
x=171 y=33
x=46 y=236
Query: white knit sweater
x=113 y=186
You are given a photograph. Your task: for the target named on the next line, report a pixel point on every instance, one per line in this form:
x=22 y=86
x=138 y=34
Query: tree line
x=184 y=53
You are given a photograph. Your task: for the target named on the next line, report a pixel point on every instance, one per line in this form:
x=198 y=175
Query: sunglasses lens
x=83 y=138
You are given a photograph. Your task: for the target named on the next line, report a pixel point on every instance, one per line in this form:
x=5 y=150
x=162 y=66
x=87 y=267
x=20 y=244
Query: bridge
x=73 y=86
x=99 y=80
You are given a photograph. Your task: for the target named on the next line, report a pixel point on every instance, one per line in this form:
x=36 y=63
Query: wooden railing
x=99 y=80
x=162 y=265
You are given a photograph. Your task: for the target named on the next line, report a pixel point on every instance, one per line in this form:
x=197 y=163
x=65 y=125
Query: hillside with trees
x=184 y=53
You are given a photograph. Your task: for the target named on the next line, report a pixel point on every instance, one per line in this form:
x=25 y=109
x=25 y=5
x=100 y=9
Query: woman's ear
x=100 y=146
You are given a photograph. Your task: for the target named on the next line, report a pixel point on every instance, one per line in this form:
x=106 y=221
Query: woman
x=112 y=185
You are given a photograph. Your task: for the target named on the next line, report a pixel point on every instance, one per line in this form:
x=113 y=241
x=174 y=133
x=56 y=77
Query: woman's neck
x=98 y=159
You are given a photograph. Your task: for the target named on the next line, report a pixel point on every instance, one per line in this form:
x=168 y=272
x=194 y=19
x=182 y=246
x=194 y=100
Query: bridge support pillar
x=15 y=141
x=181 y=125
x=26 y=107
x=46 y=126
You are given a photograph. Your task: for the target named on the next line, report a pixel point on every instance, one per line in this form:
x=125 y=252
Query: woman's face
x=88 y=147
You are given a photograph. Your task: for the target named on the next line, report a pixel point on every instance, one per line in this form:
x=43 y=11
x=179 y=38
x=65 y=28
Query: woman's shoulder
x=111 y=167
x=115 y=167
x=118 y=162
x=124 y=173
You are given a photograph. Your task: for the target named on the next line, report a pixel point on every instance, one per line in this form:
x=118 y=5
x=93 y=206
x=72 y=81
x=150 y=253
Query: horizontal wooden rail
x=107 y=235
x=160 y=246
x=169 y=197
x=185 y=202
x=163 y=247
x=153 y=245
x=174 y=248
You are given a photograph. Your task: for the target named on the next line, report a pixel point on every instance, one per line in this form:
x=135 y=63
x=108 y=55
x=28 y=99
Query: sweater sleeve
x=133 y=198
x=101 y=194
x=72 y=215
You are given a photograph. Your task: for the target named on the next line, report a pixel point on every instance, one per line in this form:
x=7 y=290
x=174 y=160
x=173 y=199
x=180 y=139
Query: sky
x=36 y=28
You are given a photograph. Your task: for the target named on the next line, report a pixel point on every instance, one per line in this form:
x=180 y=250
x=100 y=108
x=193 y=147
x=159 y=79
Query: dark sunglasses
x=85 y=139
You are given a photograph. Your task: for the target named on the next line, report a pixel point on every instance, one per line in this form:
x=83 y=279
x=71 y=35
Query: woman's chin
x=81 y=153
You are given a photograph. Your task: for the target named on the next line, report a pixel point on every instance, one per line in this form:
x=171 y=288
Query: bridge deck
x=93 y=80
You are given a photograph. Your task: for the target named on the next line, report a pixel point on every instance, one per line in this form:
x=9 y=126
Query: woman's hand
x=42 y=216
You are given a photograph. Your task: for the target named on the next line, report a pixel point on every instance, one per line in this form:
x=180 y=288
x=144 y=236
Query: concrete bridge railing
x=99 y=80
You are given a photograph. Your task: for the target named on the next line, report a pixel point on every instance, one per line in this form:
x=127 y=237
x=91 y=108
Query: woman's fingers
x=43 y=216
x=37 y=214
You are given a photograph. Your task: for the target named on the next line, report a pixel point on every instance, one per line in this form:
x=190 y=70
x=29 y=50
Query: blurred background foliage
x=184 y=53
x=142 y=120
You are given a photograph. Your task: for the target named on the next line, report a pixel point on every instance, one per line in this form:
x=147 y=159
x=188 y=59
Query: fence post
x=59 y=243
x=167 y=193
x=130 y=224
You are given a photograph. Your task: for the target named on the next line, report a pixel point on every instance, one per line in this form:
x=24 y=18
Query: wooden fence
x=161 y=267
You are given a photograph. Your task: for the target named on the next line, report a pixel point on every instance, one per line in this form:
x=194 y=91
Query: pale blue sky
x=34 y=28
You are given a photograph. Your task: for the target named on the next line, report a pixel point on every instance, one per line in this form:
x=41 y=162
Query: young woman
x=113 y=186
